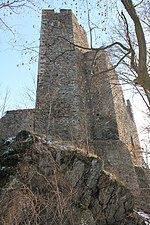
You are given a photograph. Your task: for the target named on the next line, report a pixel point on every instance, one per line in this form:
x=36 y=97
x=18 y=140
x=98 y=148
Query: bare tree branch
x=143 y=78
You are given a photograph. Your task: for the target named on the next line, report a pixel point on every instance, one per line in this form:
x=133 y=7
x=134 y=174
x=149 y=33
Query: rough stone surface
x=76 y=173
x=75 y=96
x=117 y=160
x=79 y=101
x=38 y=187
x=144 y=184
x=15 y=121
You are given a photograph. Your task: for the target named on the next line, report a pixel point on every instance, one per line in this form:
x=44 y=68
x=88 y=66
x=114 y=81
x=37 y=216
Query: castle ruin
x=79 y=99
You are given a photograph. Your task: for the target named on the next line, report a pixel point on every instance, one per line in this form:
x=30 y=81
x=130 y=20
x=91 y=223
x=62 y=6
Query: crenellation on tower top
x=52 y=11
x=65 y=11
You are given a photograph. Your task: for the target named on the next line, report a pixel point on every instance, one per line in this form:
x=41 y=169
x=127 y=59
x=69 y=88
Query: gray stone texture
x=37 y=188
x=143 y=175
x=76 y=95
x=117 y=160
x=16 y=120
x=79 y=99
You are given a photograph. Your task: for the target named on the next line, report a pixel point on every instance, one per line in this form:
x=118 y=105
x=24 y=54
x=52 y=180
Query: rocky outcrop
x=47 y=182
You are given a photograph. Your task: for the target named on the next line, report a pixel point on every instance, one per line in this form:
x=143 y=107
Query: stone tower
x=78 y=97
x=58 y=92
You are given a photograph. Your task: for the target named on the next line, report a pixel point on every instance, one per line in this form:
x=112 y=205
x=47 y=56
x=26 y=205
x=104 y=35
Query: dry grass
x=39 y=193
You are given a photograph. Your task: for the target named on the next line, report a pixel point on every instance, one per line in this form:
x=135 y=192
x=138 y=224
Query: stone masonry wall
x=124 y=116
x=79 y=35
x=76 y=95
x=15 y=121
x=102 y=116
x=117 y=160
x=58 y=88
x=143 y=175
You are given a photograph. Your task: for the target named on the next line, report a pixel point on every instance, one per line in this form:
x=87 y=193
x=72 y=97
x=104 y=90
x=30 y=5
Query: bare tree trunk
x=143 y=78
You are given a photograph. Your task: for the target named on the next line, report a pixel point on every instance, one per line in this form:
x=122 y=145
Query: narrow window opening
x=132 y=142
